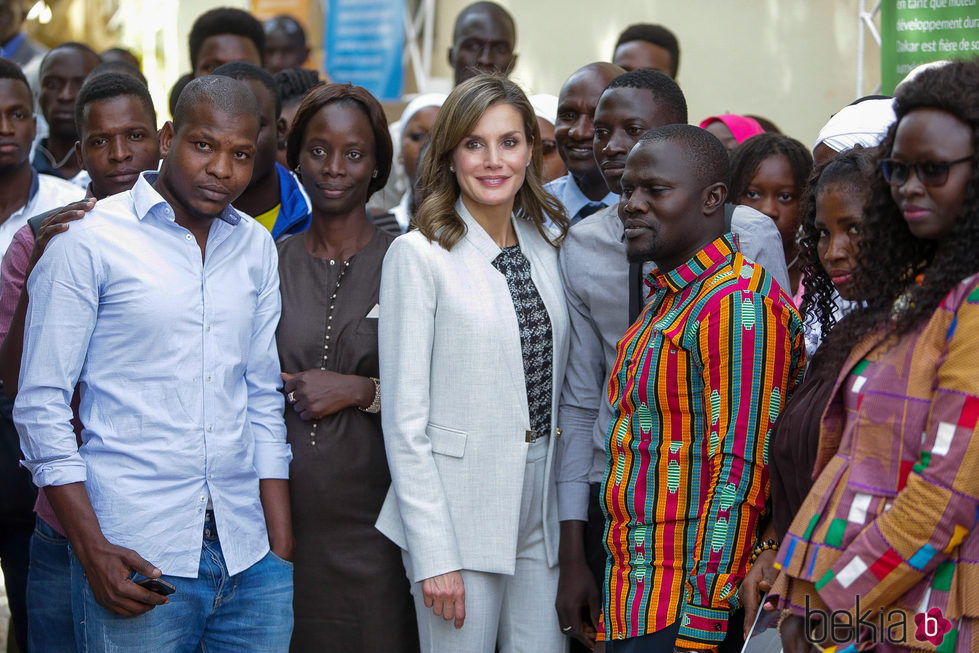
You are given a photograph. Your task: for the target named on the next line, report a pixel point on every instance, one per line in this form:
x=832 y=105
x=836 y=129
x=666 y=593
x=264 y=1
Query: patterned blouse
x=890 y=522
x=535 y=335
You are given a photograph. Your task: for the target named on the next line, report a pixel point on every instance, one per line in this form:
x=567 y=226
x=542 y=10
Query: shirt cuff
x=572 y=501
x=272 y=459
x=702 y=627
x=58 y=471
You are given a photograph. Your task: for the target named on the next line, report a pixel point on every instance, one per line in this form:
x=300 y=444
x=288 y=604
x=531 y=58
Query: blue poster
x=364 y=43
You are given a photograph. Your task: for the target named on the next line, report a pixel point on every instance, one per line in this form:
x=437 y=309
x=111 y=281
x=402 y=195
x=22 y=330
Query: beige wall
x=792 y=61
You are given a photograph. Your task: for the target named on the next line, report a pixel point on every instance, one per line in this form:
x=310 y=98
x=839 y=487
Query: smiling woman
x=473 y=343
x=327 y=340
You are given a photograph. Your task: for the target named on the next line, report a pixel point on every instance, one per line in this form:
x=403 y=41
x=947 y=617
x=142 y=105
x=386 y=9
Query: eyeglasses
x=930 y=173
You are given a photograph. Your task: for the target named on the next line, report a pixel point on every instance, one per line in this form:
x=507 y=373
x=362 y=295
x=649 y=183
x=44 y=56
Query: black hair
x=287 y=25
x=108 y=85
x=119 y=67
x=765 y=123
x=665 y=91
x=708 y=155
x=657 y=35
x=69 y=45
x=226 y=20
x=851 y=171
x=359 y=97
x=747 y=156
x=178 y=86
x=118 y=54
x=12 y=70
x=245 y=72
x=903 y=279
x=223 y=93
x=292 y=83
x=488 y=7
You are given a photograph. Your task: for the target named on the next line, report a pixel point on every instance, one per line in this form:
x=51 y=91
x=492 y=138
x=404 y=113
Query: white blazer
x=454 y=406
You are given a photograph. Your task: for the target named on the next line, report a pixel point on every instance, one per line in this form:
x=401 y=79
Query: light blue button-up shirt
x=178 y=371
x=566 y=191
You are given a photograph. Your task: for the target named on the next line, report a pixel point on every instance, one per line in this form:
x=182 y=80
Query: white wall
x=792 y=61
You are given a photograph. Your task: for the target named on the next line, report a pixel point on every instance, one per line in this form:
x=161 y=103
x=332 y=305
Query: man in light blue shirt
x=583 y=190
x=162 y=305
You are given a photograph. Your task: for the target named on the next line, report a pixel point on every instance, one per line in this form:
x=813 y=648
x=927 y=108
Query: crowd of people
x=548 y=373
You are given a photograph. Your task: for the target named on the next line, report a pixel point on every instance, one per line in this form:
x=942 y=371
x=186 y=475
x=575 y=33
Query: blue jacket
x=295 y=211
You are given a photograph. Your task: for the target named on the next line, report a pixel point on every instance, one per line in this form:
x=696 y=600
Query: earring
x=527 y=165
x=299 y=168
x=452 y=168
x=374 y=174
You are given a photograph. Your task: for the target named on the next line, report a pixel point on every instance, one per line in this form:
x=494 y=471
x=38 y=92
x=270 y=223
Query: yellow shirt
x=268 y=218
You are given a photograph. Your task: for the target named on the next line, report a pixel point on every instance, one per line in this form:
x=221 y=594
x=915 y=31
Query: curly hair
x=850 y=171
x=357 y=96
x=465 y=106
x=904 y=279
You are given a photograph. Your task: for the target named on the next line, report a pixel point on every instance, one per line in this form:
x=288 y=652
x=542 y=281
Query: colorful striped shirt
x=698 y=381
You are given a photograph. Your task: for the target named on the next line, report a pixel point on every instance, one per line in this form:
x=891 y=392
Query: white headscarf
x=420 y=102
x=864 y=123
x=545 y=106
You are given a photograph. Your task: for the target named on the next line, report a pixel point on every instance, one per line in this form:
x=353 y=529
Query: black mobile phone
x=161 y=587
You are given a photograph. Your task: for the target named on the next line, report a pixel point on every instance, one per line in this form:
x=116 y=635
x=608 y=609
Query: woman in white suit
x=473 y=338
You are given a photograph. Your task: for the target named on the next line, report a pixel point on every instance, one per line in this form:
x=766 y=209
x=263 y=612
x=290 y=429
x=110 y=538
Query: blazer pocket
x=446 y=441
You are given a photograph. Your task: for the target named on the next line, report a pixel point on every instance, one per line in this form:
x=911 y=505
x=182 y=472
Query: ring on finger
x=291 y=397
x=566 y=629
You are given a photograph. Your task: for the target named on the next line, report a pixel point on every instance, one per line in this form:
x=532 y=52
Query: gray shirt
x=596 y=282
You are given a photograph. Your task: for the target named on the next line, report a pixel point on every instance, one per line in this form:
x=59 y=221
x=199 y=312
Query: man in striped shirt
x=699 y=379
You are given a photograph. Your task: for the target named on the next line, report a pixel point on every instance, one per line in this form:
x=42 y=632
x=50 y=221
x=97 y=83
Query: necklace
x=50 y=157
x=329 y=328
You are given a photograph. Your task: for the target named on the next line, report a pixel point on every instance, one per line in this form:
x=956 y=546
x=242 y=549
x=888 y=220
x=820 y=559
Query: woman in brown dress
x=351 y=592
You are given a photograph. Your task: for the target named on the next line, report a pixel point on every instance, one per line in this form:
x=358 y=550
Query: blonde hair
x=436 y=218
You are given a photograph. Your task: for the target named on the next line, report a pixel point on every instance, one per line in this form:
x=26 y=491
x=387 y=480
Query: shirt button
x=208 y=377
x=167 y=210
x=210 y=428
x=202 y=498
x=208 y=329
x=188 y=236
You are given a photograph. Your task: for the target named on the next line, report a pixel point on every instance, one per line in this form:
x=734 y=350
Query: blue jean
x=213 y=613
x=50 y=626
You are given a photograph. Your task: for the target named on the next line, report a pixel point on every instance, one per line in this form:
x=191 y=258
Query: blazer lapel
x=511 y=351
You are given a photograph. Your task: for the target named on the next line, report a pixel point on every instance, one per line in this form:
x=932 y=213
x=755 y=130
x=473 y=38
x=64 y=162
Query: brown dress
x=351 y=592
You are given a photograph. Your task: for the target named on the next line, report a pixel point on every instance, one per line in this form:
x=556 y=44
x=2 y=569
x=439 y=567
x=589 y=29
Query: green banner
x=914 y=32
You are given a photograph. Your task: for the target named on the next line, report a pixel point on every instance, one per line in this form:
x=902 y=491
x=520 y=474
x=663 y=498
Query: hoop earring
x=374 y=174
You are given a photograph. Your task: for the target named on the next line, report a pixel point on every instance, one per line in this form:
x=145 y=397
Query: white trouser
x=515 y=612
